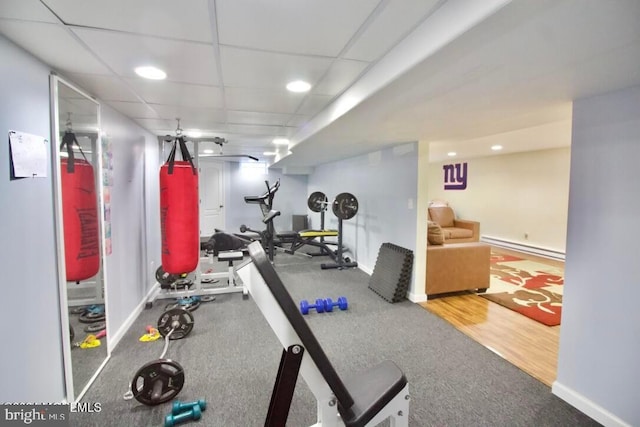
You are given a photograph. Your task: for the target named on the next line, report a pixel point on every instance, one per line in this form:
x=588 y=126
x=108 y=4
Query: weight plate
x=176 y=318
x=96 y=327
x=207 y=298
x=90 y=317
x=317 y=201
x=157 y=382
x=191 y=305
x=164 y=278
x=345 y=206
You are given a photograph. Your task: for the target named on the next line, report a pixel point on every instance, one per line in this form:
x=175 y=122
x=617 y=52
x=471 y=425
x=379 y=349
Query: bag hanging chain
x=186 y=156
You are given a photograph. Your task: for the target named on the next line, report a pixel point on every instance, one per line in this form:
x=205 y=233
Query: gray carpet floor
x=232 y=356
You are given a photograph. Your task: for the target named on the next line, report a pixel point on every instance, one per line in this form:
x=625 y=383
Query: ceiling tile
x=156 y=124
x=30 y=10
x=182 y=61
x=313 y=104
x=393 y=24
x=262 y=100
x=52 y=44
x=212 y=115
x=256 y=118
x=297 y=120
x=340 y=76
x=251 y=68
x=167 y=18
x=261 y=130
x=318 y=27
x=171 y=93
x=107 y=88
x=135 y=110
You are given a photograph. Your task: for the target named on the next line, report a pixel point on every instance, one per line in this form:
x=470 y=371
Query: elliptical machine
x=265 y=201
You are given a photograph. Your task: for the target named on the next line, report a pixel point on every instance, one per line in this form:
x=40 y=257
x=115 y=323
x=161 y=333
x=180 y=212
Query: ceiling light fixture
x=496 y=147
x=269 y=153
x=452 y=154
x=298 y=86
x=281 y=141
x=195 y=133
x=208 y=151
x=152 y=73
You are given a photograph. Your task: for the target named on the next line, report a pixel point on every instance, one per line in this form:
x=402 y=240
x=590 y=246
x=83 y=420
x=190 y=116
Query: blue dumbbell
x=341 y=304
x=179 y=407
x=192 y=414
x=305 y=306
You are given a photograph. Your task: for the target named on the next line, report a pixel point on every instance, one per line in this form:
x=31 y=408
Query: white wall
x=135 y=228
x=513 y=194
x=29 y=304
x=385 y=184
x=598 y=369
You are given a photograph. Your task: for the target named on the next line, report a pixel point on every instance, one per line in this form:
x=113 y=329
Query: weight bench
x=365 y=399
x=308 y=237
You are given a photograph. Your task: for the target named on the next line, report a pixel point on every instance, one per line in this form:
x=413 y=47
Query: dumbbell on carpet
x=192 y=414
x=305 y=306
x=179 y=407
x=323 y=305
x=341 y=304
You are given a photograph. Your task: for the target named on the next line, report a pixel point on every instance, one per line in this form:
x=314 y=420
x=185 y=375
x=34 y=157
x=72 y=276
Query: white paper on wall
x=28 y=154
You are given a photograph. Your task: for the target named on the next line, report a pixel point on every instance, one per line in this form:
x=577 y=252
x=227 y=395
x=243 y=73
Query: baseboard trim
x=366 y=269
x=587 y=406
x=416 y=297
x=520 y=247
x=115 y=338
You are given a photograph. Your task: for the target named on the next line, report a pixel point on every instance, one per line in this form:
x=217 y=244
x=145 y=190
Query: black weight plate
x=96 y=327
x=157 y=382
x=207 y=298
x=92 y=317
x=191 y=306
x=178 y=318
x=164 y=278
x=72 y=333
x=345 y=206
x=317 y=201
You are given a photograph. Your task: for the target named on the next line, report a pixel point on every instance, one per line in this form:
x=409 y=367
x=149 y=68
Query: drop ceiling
x=457 y=73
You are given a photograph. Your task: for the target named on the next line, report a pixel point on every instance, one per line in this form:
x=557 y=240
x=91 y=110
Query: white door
x=211 y=197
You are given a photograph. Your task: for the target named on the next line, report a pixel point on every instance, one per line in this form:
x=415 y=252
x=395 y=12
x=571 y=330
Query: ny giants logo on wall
x=455 y=176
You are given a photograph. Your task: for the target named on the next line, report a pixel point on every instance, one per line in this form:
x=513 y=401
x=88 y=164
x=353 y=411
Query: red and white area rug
x=530 y=288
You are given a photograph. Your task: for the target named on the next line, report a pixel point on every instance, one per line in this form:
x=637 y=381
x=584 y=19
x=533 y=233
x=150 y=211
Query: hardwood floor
x=529 y=345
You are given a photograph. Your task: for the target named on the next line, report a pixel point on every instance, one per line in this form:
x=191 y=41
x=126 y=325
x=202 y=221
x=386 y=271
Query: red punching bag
x=79 y=216
x=179 y=217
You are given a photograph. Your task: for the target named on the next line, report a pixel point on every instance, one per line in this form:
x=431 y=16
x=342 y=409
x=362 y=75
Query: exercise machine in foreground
x=365 y=399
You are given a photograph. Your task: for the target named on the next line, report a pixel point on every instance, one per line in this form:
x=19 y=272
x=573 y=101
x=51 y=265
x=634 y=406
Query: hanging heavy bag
x=179 y=217
x=79 y=214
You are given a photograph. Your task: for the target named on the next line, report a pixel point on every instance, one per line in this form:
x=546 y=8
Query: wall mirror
x=77 y=166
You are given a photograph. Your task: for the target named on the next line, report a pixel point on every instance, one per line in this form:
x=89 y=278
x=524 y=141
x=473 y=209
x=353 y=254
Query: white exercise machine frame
x=397 y=410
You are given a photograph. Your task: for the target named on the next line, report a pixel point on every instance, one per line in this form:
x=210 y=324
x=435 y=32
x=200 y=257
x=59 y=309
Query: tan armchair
x=454 y=230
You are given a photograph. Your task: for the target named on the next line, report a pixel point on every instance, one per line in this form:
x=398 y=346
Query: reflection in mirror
x=80 y=204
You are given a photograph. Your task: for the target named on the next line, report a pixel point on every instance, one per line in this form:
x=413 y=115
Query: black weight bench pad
x=362 y=396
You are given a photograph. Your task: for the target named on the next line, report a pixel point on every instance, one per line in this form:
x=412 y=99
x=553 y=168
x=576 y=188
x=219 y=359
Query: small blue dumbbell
x=305 y=306
x=192 y=414
x=341 y=304
x=179 y=407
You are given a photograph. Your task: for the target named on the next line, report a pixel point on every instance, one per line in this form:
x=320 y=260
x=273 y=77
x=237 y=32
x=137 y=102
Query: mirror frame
x=54 y=81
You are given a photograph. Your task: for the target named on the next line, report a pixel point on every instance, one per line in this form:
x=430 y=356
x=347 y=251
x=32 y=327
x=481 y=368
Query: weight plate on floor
x=90 y=317
x=345 y=206
x=157 y=382
x=191 y=305
x=96 y=327
x=178 y=319
x=317 y=201
x=207 y=298
x=164 y=278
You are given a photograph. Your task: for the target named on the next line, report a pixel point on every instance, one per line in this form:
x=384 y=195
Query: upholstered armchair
x=454 y=230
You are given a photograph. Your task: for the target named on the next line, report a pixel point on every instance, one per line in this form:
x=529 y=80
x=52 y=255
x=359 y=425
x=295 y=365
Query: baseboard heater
x=529 y=249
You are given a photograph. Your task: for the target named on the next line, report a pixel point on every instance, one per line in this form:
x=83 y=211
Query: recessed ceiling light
x=152 y=73
x=298 y=86
x=269 y=153
x=194 y=133
x=281 y=141
x=208 y=151
x=452 y=154
x=496 y=147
